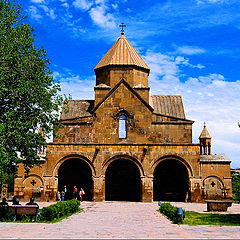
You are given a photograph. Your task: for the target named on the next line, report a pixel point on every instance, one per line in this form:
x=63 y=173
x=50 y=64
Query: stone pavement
x=118 y=220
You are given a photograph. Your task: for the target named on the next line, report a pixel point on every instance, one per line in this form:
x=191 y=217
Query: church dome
x=122 y=53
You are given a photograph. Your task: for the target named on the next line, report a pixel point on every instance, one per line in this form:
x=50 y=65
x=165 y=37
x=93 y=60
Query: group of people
x=66 y=194
x=15 y=201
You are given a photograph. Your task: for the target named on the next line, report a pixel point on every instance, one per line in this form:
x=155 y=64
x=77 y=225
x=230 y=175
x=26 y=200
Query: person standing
x=75 y=192
x=65 y=192
x=81 y=193
x=58 y=197
x=62 y=195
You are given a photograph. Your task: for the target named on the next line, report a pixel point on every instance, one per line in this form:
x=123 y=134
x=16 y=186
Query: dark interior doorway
x=75 y=172
x=170 y=181
x=122 y=182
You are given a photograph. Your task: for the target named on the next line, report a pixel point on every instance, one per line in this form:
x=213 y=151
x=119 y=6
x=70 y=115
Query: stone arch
x=214 y=177
x=69 y=156
x=107 y=162
x=213 y=188
x=33 y=177
x=33 y=186
x=174 y=157
x=123 y=179
x=171 y=180
x=75 y=170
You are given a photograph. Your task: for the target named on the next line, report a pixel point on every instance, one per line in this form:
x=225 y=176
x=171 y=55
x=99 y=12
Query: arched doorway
x=75 y=172
x=122 y=181
x=170 y=181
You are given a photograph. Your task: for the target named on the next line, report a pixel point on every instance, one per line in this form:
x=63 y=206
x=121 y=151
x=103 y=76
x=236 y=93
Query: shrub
x=59 y=210
x=6 y=213
x=171 y=212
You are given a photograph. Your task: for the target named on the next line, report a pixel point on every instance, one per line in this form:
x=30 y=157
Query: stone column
x=99 y=188
x=147 y=189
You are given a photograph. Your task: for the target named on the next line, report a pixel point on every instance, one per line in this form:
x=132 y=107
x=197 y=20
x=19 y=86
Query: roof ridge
x=115 y=88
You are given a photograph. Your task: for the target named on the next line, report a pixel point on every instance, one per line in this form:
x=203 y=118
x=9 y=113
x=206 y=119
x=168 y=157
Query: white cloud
x=167 y=67
x=210 y=1
x=34 y=13
x=76 y=86
x=101 y=18
x=190 y=50
x=38 y=1
x=115 y=5
x=66 y=5
x=48 y=11
x=82 y=4
x=208 y=98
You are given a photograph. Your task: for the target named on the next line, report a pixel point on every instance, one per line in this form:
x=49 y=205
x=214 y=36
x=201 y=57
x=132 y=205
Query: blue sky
x=191 y=46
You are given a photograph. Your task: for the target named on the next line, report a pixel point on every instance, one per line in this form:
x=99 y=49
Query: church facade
x=126 y=145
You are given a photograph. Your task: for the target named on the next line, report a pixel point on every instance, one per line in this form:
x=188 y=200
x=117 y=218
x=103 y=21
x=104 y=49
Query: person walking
x=81 y=193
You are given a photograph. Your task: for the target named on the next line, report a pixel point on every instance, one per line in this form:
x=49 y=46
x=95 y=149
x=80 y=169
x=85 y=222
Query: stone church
x=125 y=145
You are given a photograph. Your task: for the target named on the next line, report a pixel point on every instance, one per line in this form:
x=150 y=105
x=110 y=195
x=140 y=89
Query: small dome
x=205 y=133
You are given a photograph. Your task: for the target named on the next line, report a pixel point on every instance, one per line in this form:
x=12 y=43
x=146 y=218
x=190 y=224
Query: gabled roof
x=76 y=108
x=122 y=81
x=122 y=53
x=169 y=105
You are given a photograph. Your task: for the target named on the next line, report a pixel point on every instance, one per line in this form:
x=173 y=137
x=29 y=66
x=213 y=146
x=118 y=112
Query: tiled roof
x=205 y=133
x=77 y=108
x=122 y=53
x=170 y=105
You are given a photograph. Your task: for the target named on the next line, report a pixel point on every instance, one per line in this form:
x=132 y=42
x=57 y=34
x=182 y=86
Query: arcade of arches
x=123 y=180
x=125 y=145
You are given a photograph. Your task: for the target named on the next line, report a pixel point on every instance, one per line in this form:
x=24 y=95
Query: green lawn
x=194 y=218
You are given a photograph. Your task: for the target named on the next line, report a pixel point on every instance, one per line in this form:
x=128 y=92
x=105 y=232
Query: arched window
x=122 y=126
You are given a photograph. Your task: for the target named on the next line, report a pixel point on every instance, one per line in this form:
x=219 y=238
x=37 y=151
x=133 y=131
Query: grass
x=26 y=219
x=194 y=218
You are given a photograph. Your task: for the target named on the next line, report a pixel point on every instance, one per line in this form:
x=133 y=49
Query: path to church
x=119 y=220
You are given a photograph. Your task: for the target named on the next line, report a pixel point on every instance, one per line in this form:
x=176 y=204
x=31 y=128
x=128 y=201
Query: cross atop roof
x=122 y=25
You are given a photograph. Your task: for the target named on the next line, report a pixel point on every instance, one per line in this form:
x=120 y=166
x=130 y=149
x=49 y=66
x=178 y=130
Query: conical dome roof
x=122 y=53
x=205 y=133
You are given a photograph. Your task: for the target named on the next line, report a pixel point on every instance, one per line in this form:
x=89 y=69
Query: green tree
x=29 y=98
x=236 y=187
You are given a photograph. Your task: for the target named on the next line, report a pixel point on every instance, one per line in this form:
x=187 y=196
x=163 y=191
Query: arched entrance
x=170 y=181
x=75 y=172
x=122 y=181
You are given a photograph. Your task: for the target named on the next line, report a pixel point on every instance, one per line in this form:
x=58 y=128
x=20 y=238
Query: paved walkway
x=117 y=220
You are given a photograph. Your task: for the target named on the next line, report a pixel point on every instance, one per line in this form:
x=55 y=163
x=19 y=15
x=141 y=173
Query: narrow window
x=122 y=126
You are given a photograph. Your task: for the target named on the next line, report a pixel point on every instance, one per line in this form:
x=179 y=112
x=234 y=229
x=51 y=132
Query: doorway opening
x=171 y=181
x=122 y=181
x=76 y=172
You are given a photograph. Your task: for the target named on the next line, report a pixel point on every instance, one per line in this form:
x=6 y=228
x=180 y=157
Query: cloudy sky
x=191 y=46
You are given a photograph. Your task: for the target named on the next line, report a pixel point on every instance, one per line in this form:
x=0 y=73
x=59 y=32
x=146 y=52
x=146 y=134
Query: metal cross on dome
x=122 y=25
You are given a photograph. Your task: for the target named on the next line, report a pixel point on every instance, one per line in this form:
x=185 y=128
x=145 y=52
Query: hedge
x=59 y=210
x=171 y=212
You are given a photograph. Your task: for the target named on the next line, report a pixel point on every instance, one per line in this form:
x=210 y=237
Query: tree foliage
x=236 y=187
x=29 y=98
